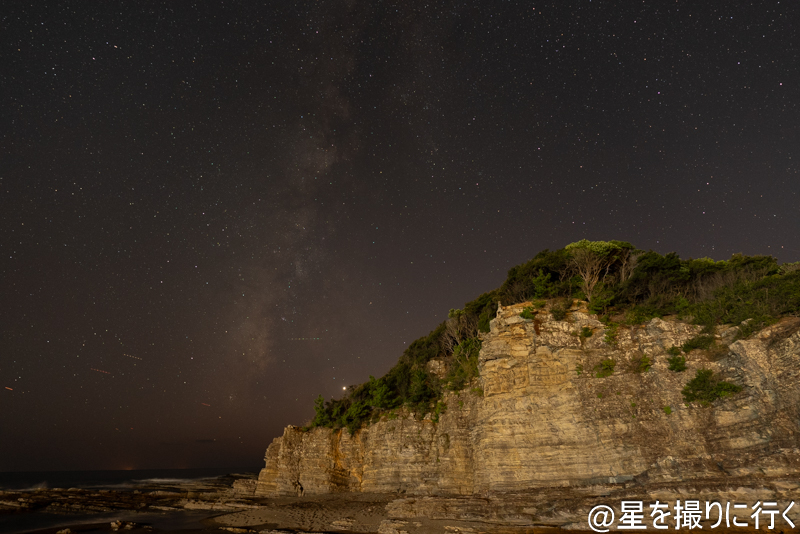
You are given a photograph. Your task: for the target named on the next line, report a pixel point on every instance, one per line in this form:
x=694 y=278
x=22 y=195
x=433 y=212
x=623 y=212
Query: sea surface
x=116 y=480
x=142 y=480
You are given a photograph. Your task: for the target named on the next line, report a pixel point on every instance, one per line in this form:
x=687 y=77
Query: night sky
x=212 y=213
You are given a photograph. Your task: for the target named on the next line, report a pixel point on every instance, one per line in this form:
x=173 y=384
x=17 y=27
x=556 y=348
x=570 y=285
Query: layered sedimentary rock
x=540 y=416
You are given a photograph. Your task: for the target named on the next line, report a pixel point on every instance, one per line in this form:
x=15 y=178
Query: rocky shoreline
x=540 y=510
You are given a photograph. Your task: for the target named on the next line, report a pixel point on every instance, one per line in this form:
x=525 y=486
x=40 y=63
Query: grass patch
x=612 y=334
x=642 y=364
x=667 y=410
x=441 y=407
x=605 y=368
x=698 y=342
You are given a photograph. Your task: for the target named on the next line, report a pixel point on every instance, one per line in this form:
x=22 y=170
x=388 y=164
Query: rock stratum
x=539 y=418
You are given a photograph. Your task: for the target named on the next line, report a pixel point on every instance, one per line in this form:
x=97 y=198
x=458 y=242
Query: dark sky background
x=213 y=212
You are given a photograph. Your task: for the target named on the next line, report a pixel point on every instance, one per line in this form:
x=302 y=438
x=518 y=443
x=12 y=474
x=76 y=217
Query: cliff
x=540 y=417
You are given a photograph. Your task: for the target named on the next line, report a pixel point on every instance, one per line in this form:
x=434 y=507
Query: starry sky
x=213 y=212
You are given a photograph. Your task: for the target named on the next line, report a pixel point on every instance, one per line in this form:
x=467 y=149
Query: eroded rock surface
x=540 y=418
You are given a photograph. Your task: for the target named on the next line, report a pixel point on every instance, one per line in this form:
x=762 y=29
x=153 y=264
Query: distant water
x=144 y=480
x=116 y=480
x=191 y=521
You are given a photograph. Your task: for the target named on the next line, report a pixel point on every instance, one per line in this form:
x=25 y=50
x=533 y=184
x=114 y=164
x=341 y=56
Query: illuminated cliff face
x=540 y=416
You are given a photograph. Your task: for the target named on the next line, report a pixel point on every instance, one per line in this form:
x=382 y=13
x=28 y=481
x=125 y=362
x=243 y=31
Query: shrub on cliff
x=541 y=277
x=484 y=308
x=706 y=388
x=676 y=363
x=559 y=311
x=321 y=415
x=381 y=396
x=605 y=368
x=699 y=342
x=465 y=364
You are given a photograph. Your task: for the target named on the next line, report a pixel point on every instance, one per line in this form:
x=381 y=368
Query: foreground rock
x=211 y=495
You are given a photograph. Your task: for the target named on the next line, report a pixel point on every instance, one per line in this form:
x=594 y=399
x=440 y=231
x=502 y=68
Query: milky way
x=214 y=213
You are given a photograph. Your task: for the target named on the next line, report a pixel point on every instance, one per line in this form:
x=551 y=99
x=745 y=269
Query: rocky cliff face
x=540 y=417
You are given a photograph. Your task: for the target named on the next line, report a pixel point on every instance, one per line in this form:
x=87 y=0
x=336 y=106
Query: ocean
x=133 y=480
x=117 y=480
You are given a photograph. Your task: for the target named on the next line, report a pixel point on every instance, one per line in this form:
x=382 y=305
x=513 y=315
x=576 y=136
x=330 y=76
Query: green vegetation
x=528 y=313
x=617 y=279
x=667 y=410
x=605 y=368
x=699 y=342
x=674 y=351
x=440 y=409
x=559 y=311
x=642 y=364
x=611 y=335
x=706 y=388
x=716 y=351
x=586 y=332
x=579 y=369
x=465 y=364
x=591 y=260
x=677 y=363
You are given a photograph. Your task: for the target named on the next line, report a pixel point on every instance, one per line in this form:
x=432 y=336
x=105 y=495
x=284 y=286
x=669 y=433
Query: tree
x=592 y=260
x=321 y=416
x=382 y=396
x=459 y=326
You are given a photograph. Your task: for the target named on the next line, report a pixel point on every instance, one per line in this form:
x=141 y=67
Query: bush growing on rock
x=677 y=363
x=706 y=388
x=465 y=364
x=612 y=332
x=642 y=364
x=605 y=368
x=559 y=311
x=699 y=342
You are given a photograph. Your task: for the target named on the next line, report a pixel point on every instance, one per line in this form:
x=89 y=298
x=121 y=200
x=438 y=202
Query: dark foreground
x=215 y=506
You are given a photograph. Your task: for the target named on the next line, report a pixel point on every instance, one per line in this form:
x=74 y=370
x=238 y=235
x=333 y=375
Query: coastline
x=147 y=500
x=219 y=505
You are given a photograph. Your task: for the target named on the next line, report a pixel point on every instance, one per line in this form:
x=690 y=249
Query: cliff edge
x=542 y=414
